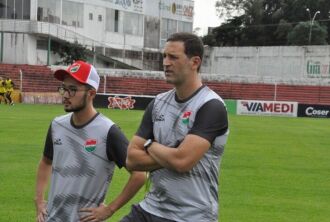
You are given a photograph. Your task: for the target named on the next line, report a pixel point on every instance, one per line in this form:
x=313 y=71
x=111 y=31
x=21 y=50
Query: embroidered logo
x=74 y=68
x=185 y=117
x=160 y=118
x=90 y=145
x=57 y=141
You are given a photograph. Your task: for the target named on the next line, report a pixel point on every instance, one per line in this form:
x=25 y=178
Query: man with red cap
x=80 y=153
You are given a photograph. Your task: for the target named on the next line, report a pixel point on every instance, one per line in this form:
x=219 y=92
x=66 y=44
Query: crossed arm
x=181 y=159
x=210 y=122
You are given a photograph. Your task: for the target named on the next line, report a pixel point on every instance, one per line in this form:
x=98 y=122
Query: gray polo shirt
x=83 y=162
x=191 y=196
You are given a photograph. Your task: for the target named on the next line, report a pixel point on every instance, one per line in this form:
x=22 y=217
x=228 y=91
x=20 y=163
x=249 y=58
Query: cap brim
x=60 y=74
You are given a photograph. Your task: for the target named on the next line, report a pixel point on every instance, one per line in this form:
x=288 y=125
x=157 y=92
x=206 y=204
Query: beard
x=78 y=107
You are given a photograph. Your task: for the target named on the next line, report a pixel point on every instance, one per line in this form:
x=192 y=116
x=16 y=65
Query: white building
x=129 y=31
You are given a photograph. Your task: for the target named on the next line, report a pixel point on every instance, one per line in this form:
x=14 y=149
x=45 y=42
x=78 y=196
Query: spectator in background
x=9 y=84
x=81 y=151
x=180 y=141
x=2 y=91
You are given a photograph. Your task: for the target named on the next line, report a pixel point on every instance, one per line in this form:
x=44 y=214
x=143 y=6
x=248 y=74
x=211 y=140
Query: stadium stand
x=34 y=78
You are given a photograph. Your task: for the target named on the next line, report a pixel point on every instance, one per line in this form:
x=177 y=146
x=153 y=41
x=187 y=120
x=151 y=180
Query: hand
x=41 y=211
x=100 y=213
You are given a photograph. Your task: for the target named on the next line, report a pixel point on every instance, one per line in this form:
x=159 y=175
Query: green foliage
x=273 y=169
x=300 y=34
x=283 y=30
x=209 y=40
x=228 y=8
x=228 y=34
x=269 y=22
x=70 y=52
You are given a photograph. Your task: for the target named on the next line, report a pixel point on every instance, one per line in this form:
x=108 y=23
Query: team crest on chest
x=90 y=145
x=185 y=117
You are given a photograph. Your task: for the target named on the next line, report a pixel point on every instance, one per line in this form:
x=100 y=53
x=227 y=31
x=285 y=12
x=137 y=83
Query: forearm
x=165 y=156
x=141 y=161
x=133 y=185
x=182 y=158
x=137 y=158
x=43 y=174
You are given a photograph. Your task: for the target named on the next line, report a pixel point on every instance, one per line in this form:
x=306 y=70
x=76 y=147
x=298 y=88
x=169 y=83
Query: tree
x=230 y=8
x=70 y=52
x=269 y=22
x=282 y=31
x=300 y=34
x=209 y=40
x=229 y=34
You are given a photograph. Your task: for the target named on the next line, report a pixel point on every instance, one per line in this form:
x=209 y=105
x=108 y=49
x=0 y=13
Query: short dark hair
x=193 y=45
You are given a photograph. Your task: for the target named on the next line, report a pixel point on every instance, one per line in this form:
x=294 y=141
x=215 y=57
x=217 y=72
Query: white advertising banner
x=177 y=9
x=127 y=5
x=267 y=108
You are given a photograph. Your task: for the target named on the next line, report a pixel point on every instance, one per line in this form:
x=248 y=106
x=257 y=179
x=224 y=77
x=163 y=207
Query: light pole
x=311 y=23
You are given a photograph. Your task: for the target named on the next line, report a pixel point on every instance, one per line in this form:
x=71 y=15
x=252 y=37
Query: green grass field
x=274 y=169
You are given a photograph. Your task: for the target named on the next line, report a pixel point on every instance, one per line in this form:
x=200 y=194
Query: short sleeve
x=117 y=146
x=48 y=148
x=146 y=127
x=211 y=120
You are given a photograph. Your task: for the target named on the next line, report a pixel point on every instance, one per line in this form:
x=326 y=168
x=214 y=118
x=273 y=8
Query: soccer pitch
x=274 y=169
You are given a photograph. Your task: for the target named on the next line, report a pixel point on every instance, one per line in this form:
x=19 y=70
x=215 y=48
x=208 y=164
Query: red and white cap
x=82 y=72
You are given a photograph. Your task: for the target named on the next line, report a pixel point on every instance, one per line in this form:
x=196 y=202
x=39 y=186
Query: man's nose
x=66 y=93
x=166 y=62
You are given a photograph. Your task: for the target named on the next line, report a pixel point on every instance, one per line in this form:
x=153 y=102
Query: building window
x=124 y=22
x=11 y=12
x=131 y=54
x=116 y=20
x=100 y=18
x=49 y=11
x=3 y=10
x=169 y=26
x=152 y=56
x=73 y=14
x=90 y=16
x=112 y=19
x=26 y=9
x=185 y=26
x=133 y=23
x=18 y=9
x=42 y=44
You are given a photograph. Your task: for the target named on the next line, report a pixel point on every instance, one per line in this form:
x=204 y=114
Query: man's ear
x=196 y=62
x=92 y=92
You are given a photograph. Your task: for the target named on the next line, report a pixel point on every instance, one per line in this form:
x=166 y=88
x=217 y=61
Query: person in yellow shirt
x=2 y=90
x=9 y=85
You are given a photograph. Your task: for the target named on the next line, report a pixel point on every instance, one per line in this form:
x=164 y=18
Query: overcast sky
x=205 y=15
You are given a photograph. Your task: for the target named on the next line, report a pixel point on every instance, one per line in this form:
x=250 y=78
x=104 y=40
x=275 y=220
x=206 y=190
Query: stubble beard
x=78 y=107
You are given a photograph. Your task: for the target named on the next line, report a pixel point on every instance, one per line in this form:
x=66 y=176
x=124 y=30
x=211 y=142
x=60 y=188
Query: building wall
x=30 y=51
x=17 y=48
x=272 y=64
x=157 y=20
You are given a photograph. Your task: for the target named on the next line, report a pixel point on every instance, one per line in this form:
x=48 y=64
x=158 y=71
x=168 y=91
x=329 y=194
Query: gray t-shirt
x=83 y=161
x=191 y=196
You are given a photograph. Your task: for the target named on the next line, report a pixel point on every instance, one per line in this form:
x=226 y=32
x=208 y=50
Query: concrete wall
x=288 y=64
x=14 y=45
